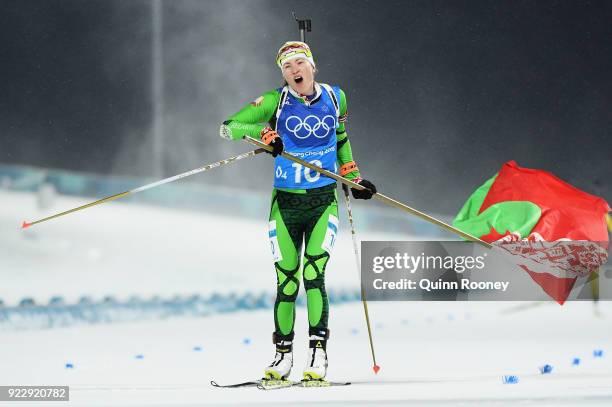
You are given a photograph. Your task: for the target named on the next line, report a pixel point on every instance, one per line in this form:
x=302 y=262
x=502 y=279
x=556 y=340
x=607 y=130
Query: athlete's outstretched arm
x=251 y=119
x=343 y=145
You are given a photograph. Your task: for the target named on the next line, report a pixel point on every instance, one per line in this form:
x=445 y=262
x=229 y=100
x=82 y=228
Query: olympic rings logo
x=310 y=126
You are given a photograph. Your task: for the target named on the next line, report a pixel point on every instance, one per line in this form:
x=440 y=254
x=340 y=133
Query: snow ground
x=431 y=353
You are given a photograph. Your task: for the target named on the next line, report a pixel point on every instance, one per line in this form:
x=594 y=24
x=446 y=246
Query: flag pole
x=383 y=198
x=220 y=163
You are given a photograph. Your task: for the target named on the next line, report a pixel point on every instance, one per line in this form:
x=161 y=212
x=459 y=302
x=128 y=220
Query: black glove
x=277 y=145
x=271 y=138
x=364 y=193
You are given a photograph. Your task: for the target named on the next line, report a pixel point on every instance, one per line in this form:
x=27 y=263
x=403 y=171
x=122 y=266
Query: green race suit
x=298 y=217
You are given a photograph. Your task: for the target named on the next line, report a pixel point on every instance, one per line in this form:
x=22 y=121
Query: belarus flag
x=521 y=208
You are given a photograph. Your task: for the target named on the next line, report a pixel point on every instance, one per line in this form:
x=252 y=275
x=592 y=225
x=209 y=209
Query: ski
x=264 y=384
x=320 y=383
x=252 y=383
x=273 y=384
x=302 y=383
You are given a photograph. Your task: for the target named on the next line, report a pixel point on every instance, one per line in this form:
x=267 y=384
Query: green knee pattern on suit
x=296 y=220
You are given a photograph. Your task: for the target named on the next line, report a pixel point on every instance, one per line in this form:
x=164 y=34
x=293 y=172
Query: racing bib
x=308 y=133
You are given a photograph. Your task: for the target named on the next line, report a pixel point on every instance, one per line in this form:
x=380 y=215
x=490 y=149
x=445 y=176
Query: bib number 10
x=299 y=169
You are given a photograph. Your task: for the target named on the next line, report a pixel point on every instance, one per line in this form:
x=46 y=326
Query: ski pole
x=347 y=201
x=148 y=186
x=379 y=196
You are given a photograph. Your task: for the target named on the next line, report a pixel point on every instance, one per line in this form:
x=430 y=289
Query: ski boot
x=281 y=366
x=316 y=362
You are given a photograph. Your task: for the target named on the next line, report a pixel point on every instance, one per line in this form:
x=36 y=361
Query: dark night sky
x=440 y=94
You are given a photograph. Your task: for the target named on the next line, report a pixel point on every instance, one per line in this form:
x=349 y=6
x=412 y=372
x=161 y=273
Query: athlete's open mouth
x=298 y=79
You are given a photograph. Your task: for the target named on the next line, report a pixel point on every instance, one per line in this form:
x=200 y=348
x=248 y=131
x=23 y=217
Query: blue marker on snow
x=510 y=379
x=546 y=369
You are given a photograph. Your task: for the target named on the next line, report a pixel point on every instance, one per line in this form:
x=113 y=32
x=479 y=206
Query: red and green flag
x=528 y=205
